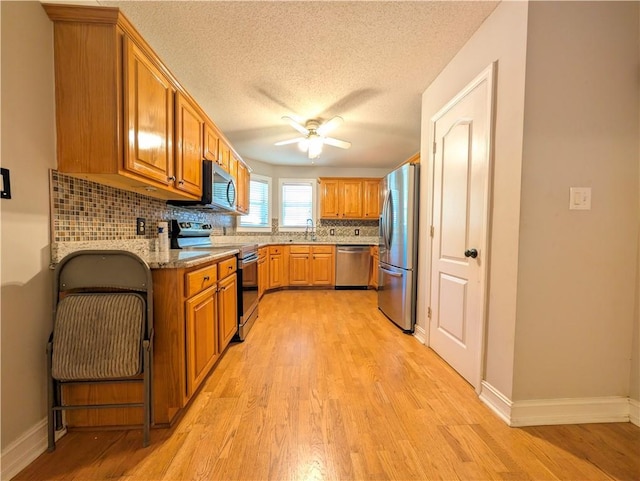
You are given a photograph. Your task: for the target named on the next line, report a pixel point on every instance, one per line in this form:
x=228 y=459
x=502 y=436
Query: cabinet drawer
x=275 y=250
x=322 y=249
x=263 y=252
x=298 y=249
x=374 y=251
x=226 y=267
x=199 y=280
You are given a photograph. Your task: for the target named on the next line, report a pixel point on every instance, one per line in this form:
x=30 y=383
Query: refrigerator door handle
x=391 y=273
x=385 y=219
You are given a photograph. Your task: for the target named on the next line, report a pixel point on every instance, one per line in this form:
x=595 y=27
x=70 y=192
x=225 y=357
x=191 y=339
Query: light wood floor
x=325 y=387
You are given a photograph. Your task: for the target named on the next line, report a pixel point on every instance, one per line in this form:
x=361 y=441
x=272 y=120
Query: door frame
x=487 y=75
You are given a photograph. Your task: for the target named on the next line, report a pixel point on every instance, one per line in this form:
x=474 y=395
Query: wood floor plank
x=326 y=387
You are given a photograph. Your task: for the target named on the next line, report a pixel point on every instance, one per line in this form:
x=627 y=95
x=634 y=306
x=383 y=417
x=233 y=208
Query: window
x=297 y=203
x=259 y=216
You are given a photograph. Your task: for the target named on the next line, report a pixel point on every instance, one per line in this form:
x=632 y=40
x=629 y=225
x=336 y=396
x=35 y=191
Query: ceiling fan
x=314 y=134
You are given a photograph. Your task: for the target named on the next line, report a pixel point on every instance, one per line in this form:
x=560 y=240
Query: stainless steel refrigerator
x=397 y=273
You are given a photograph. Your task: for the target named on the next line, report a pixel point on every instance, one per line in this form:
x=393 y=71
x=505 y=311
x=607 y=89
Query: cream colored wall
x=577 y=269
x=501 y=37
x=28 y=150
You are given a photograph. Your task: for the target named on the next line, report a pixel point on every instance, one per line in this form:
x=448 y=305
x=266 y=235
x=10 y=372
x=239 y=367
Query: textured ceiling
x=250 y=63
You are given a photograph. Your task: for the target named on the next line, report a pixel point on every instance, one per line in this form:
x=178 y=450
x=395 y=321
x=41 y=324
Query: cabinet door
x=243 y=188
x=201 y=337
x=371 y=199
x=263 y=276
x=210 y=148
x=351 y=197
x=148 y=109
x=329 y=195
x=276 y=271
x=189 y=129
x=223 y=155
x=227 y=310
x=322 y=269
x=299 y=269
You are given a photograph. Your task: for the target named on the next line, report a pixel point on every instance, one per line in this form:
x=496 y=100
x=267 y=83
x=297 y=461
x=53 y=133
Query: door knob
x=473 y=253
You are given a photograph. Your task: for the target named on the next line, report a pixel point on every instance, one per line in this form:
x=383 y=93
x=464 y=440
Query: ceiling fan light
x=303 y=145
x=315 y=146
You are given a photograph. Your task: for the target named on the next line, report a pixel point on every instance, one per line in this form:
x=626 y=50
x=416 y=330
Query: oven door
x=249 y=286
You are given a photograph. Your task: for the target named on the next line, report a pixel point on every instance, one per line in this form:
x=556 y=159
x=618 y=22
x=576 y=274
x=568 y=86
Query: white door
x=462 y=152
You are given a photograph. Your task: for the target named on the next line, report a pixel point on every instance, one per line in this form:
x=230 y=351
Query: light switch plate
x=580 y=198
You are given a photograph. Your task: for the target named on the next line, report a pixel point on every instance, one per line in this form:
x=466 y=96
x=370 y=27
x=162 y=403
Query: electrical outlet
x=332 y=232
x=357 y=231
x=141 y=226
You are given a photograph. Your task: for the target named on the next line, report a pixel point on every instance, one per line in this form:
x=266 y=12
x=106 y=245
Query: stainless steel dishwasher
x=352 y=267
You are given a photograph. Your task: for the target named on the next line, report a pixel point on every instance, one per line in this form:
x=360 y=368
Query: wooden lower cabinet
x=276 y=267
x=263 y=270
x=299 y=266
x=202 y=337
x=227 y=310
x=311 y=265
x=195 y=317
x=375 y=260
x=323 y=266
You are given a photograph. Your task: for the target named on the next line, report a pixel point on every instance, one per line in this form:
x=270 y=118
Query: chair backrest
x=104 y=271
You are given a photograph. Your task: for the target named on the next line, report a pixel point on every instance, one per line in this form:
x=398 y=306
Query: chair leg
x=147 y=396
x=50 y=403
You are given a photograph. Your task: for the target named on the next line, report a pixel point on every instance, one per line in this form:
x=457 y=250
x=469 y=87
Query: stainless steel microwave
x=218 y=190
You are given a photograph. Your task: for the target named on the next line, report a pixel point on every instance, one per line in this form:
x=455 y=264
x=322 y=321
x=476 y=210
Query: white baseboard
x=497 y=402
x=634 y=411
x=420 y=334
x=539 y=412
x=24 y=450
x=542 y=412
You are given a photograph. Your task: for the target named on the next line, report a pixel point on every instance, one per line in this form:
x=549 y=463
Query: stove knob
x=206 y=226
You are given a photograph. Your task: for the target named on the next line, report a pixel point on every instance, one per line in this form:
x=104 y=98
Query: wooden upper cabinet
x=116 y=112
x=189 y=128
x=243 y=186
x=148 y=114
x=223 y=155
x=351 y=199
x=371 y=199
x=211 y=139
x=347 y=198
x=329 y=199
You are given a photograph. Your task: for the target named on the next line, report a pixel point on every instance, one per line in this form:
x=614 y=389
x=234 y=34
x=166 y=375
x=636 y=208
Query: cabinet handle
x=181 y=182
x=172 y=178
x=206 y=278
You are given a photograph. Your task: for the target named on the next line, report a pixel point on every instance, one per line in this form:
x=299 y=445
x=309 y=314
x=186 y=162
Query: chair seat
x=98 y=336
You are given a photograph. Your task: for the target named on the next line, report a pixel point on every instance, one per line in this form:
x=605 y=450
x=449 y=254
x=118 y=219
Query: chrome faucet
x=310 y=230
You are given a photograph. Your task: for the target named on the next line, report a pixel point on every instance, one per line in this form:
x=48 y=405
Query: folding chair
x=103 y=329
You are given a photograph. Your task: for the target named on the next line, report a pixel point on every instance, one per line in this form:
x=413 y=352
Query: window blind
x=297 y=203
x=258 y=215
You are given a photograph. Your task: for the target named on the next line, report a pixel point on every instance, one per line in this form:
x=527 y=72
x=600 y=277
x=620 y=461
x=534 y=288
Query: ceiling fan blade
x=290 y=141
x=300 y=128
x=329 y=125
x=343 y=144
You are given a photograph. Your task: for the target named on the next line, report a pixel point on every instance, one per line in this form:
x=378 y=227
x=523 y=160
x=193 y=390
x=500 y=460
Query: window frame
x=314 y=197
x=249 y=228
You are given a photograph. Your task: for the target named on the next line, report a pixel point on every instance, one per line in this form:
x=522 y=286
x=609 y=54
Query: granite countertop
x=180 y=258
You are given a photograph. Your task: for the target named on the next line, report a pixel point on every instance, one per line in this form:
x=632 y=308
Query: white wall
x=577 y=269
x=502 y=38
x=28 y=150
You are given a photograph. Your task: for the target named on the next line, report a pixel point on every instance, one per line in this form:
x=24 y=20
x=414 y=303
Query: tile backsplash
x=82 y=211
x=85 y=211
